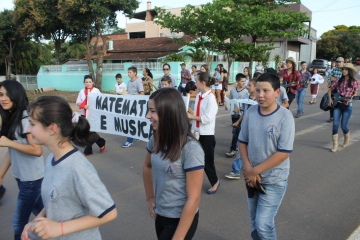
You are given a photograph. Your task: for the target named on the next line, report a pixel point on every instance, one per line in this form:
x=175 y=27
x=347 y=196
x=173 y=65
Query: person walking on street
x=335 y=74
x=291 y=75
x=305 y=79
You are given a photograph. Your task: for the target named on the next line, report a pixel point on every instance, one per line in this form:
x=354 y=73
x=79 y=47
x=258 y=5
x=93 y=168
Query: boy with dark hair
x=265 y=148
x=238 y=92
x=135 y=87
x=120 y=86
x=165 y=82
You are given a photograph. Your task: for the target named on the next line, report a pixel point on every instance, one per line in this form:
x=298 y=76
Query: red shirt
x=293 y=77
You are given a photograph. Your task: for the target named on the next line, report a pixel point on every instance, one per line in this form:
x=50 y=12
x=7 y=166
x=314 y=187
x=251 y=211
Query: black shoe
x=2 y=191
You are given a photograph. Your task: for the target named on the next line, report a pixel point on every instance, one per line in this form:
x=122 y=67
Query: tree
x=9 y=38
x=227 y=23
x=174 y=57
x=40 y=19
x=91 y=19
x=341 y=41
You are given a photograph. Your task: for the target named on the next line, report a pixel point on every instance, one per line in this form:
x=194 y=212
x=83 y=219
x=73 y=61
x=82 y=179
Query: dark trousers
x=235 y=133
x=291 y=97
x=100 y=142
x=166 y=227
x=331 y=112
x=223 y=83
x=208 y=144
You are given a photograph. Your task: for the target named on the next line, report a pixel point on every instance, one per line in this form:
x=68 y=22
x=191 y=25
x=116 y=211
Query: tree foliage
x=40 y=19
x=341 y=41
x=233 y=27
x=90 y=19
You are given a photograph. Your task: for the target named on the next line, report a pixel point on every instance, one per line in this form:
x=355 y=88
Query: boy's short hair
x=166 y=79
x=118 y=75
x=239 y=76
x=133 y=69
x=302 y=62
x=253 y=81
x=190 y=86
x=257 y=74
x=270 y=78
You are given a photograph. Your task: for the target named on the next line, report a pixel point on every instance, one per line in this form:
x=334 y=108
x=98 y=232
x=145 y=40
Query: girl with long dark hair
x=147 y=81
x=23 y=155
x=346 y=86
x=173 y=168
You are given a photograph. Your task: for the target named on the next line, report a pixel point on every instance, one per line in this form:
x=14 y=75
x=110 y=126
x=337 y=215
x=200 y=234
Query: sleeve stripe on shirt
x=243 y=142
x=284 y=151
x=149 y=150
x=106 y=211
x=194 y=168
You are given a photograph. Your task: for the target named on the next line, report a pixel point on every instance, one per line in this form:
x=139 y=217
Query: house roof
x=142 y=48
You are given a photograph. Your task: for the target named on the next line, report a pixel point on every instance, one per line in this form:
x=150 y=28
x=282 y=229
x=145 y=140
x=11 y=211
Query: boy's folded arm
x=271 y=162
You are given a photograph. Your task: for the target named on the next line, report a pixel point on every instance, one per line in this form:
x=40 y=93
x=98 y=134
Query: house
x=144 y=49
x=301 y=48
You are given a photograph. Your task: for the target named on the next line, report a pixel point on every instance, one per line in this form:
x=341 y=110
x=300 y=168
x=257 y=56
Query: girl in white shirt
x=316 y=79
x=204 y=117
x=81 y=101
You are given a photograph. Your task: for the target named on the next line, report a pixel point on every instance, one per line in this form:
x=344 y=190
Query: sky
x=325 y=13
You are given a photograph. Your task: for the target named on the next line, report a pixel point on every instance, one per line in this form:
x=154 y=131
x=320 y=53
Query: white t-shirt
x=120 y=88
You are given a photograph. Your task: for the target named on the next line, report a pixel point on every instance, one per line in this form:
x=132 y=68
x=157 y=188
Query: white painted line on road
x=354 y=138
x=224 y=115
x=311 y=129
x=355 y=235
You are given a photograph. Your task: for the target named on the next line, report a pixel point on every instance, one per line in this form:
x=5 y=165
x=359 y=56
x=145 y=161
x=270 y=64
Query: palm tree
x=196 y=55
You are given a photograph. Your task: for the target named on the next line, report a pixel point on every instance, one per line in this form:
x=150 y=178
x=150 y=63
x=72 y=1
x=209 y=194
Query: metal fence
x=77 y=67
x=52 y=68
x=153 y=66
x=113 y=66
x=29 y=82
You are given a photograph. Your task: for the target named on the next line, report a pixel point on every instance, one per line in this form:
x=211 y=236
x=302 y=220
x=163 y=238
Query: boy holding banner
x=134 y=88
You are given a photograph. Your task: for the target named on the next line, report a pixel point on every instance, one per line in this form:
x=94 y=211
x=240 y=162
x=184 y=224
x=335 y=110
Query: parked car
x=320 y=64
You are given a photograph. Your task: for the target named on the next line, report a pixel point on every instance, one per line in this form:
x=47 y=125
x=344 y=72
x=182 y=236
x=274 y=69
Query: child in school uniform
x=238 y=92
x=174 y=162
x=120 y=86
x=23 y=154
x=190 y=88
x=76 y=202
x=266 y=169
x=237 y=162
x=204 y=118
x=81 y=101
x=135 y=87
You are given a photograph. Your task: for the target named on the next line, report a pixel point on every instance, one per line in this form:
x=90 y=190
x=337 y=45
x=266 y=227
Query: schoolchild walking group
x=69 y=199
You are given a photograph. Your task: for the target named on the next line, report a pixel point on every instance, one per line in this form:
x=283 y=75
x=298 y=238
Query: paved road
x=322 y=201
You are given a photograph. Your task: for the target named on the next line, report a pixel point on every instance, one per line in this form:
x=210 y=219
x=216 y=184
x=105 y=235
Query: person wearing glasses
x=166 y=69
x=336 y=73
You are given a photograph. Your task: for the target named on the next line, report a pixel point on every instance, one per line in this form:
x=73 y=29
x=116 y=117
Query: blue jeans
x=235 y=132
x=29 y=201
x=263 y=208
x=237 y=165
x=344 y=112
x=300 y=95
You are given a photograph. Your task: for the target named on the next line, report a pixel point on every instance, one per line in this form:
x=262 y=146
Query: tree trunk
x=230 y=61
x=9 y=60
x=89 y=52
x=100 y=61
x=57 y=51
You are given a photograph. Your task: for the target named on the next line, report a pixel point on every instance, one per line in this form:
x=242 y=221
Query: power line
x=327 y=6
x=338 y=9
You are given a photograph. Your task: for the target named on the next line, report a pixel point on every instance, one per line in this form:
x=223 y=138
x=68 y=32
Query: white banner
x=123 y=115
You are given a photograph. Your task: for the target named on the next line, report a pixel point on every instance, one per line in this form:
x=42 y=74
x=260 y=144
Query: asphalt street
x=322 y=200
